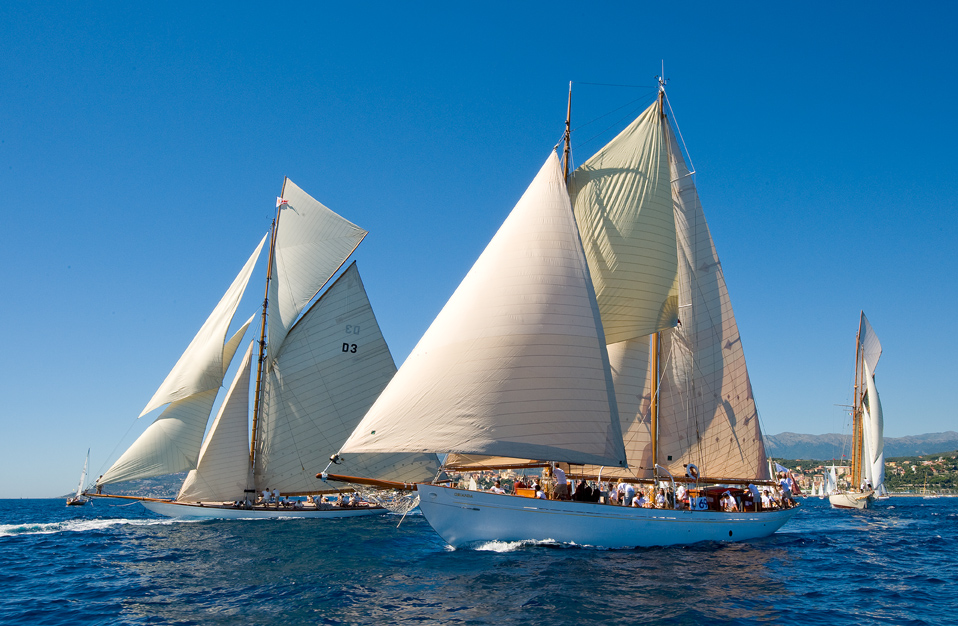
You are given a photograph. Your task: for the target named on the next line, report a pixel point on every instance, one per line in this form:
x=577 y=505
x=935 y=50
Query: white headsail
x=202 y=366
x=172 y=442
x=223 y=470
x=874 y=426
x=515 y=364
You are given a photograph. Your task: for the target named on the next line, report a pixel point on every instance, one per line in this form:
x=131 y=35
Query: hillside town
x=911 y=475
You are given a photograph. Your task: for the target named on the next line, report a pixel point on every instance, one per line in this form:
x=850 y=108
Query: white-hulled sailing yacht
x=317 y=373
x=594 y=332
x=867 y=475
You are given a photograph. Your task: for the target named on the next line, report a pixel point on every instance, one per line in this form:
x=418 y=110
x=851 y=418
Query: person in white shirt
x=680 y=494
x=767 y=500
x=639 y=500
x=562 y=486
x=497 y=488
x=660 y=499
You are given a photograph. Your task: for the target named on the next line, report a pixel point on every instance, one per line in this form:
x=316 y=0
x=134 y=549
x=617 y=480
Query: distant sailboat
x=593 y=334
x=867 y=475
x=79 y=499
x=316 y=375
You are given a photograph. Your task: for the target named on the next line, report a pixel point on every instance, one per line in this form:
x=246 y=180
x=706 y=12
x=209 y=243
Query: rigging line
x=629 y=115
x=644 y=99
x=617 y=85
x=679 y=131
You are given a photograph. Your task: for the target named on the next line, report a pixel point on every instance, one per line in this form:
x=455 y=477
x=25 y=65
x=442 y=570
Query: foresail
x=515 y=364
x=202 y=366
x=169 y=445
x=223 y=471
x=311 y=244
x=172 y=442
x=329 y=371
x=707 y=415
x=623 y=206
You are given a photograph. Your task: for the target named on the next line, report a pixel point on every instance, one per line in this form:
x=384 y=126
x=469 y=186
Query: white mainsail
x=332 y=366
x=223 y=470
x=515 y=364
x=86 y=466
x=202 y=365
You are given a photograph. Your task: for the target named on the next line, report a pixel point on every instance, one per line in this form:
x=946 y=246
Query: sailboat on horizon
x=593 y=335
x=866 y=477
x=321 y=364
x=78 y=499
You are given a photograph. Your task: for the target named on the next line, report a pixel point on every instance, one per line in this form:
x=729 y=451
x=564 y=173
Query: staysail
x=223 y=470
x=515 y=364
x=623 y=207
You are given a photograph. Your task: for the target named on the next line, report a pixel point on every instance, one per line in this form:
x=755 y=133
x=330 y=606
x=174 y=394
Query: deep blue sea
x=119 y=564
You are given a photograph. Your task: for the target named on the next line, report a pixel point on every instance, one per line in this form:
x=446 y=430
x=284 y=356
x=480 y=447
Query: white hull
x=849 y=500
x=212 y=511
x=464 y=517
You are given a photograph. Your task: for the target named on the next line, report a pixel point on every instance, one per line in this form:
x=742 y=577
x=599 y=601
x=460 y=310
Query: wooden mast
x=654 y=347
x=568 y=136
x=260 y=366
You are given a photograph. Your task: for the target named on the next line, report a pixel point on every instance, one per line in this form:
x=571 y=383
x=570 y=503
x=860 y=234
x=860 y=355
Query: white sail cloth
x=707 y=415
x=300 y=266
x=868 y=343
x=223 y=470
x=202 y=366
x=332 y=366
x=873 y=426
x=172 y=442
x=515 y=364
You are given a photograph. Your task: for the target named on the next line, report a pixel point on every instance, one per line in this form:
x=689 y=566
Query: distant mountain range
x=833 y=445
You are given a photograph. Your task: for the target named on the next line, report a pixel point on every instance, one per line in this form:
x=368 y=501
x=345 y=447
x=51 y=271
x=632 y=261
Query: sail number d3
x=349 y=347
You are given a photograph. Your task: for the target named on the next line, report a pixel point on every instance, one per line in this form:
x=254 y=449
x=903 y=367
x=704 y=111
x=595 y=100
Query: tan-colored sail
x=708 y=415
x=623 y=206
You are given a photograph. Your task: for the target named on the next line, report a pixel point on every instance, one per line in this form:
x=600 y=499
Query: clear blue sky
x=142 y=146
